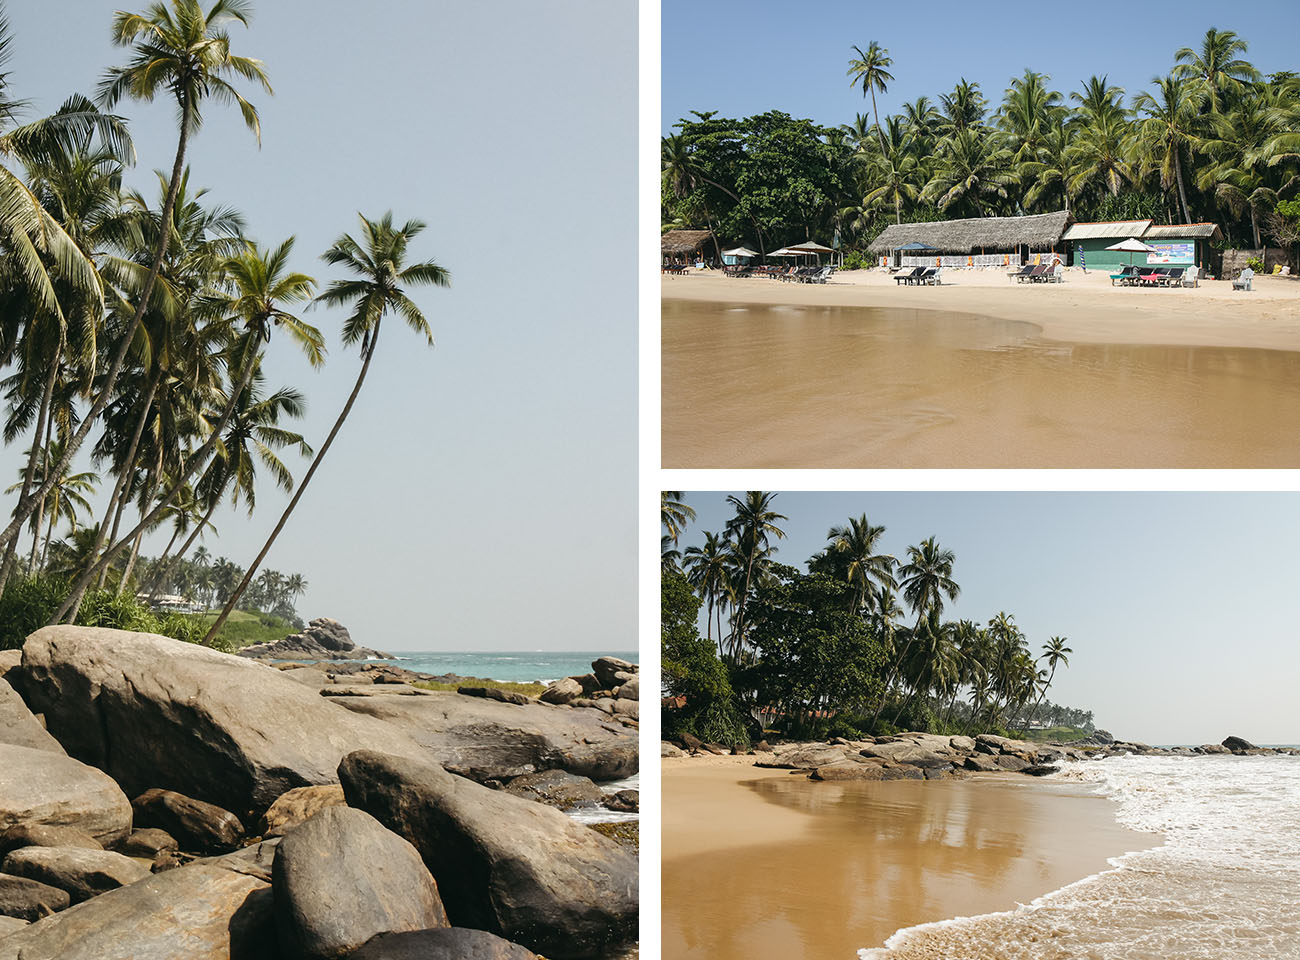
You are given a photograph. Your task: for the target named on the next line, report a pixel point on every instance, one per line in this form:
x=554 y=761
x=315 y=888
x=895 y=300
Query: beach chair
x=1024 y=271
x=1191 y=278
x=1057 y=275
x=932 y=276
x=1174 y=276
x=1243 y=279
x=1124 y=277
x=1034 y=275
x=909 y=276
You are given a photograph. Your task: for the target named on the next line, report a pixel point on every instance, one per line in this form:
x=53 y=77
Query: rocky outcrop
x=298 y=805
x=341 y=878
x=451 y=943
x=197 y=826
x=611 y=671
x=30 y=899
x=19 y=727
x=1237 y=745
x=800 y=756
x=564 y=690
x=323 y=639
x=557 y=788
x=156 y=712
x=488 y=740
x=197 y=912
x=539 y=878
x=43 y=835
x=82 y=873
x=43 y=788
x=667 y=749
x=849 y=770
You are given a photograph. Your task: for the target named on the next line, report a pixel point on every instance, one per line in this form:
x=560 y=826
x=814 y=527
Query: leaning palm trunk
x=27 y=505
x=284 y=517
x=151 y=491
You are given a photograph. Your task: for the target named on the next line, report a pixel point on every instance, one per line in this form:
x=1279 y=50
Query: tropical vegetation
x=855 y=642
x=1210 y=139
x=135 y=329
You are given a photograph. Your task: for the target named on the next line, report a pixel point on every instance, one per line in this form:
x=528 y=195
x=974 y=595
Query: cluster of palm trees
x=951 y=674
x=208 y=581
x=1212 y=139
x=142 y=324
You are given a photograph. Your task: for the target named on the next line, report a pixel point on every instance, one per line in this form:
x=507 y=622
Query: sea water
x=1221 y=880
x=514 y=667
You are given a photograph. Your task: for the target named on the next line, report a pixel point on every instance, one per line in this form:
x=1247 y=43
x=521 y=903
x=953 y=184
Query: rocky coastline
x=322 y=639
x=927 y=756
x=161 y=800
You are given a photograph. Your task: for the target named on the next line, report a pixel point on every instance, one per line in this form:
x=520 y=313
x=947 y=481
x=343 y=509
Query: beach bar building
x=1180 y=243
x=980 y=242
x=683 y=246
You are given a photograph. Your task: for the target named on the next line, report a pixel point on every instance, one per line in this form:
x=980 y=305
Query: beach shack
x=1181 y=244
x=683 y=246
x=978 y=242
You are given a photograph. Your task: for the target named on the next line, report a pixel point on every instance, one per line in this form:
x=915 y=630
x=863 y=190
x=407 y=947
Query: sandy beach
x=765 y=864
x=1085 y=308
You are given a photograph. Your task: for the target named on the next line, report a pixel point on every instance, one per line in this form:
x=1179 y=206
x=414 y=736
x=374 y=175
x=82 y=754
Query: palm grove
x=858 y=643
x=1211 y=140
x=133 y=330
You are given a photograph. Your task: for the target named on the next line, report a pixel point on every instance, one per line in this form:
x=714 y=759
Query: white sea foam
x=1223 y=885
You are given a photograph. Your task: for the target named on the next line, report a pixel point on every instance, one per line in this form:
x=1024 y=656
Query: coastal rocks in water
x=43 y=788
x=30 y=899
x=193 y=913
x=486 y=740
x=849 y=770
x=44 y=835
x=297 y=805
x=542 y=880
x=557 y=788
x=157 y=712
x=341 y=878
x=981 y=763
x=1213 y=748
x=323 y=639
x=449 y=943
x=562 y=691
x=1009 y=761
x=199 y=827
x=905 y=752
x=82 y=873
x=1238 y=745
x=19 y=727
x=1040 y=769
x=625 y=801
x=611 y=671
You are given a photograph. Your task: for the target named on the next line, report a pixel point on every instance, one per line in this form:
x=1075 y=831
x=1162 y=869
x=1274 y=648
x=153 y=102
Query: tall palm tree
x=871 y=71
x=857 y=543
x=1055 y=652
x=674 y=513
x=1217 y=65
x=185 y=52
x=707 y=571
x=964 y=108
x=895 y=171
x=378 y=287
x=751 y=528
x=973 y=168
x=1169 y=130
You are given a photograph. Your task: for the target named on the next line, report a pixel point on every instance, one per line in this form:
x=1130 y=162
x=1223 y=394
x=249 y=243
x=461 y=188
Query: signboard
x=1173 y=253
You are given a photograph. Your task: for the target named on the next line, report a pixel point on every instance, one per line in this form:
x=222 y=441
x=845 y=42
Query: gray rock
x=10 y=660
x=557 y=788
x=156 y=712
x=562 y=691
x=42 y=835
x=588 y=682
x=255 y=860
x=298 y=805
x=1040 y=769
x=194 y=913
x=800 y=756
x=82 y=873
x=1237 y=744
x=148 y=844
x=341 y=878
x=541 y=879
x=30 y=899
x=494 y=693
x=905 y=752
x=849 y=770
x=44 y=788
x=902 y=771
x=667 y=749
x=19 y=726
x=624 y=801
x=607 y=669
x=631 y=690
x=197 y=826
x=962 y=744
x=627 y=708
x=486 y=740
x=981 y=763
x=323 y=639
x=1008 y=761
x=10 y=925
x=1212 y=748
x=450 y=943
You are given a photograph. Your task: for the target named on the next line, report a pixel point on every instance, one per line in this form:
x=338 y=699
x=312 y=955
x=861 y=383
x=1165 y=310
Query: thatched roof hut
x=675 y=243
x=1040 y=231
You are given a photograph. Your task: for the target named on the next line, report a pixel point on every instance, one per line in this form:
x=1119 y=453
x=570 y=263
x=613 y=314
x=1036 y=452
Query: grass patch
x=527 y=689
x=1059 y=734
x=243 y=628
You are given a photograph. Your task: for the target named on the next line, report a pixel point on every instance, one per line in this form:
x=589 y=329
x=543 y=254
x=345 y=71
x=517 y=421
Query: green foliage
x=244 y=628
x=27 y=605
x=1289 y=209
x=1256 y=264
x=1127 y=205
x=527 y=689
x=692 y=670
x=858 y=260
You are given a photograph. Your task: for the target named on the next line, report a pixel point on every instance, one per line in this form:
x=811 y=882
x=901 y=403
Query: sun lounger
x=1174 y=276
x=914 y=274
x=1034 y=275
x=1024 y=271
x=932 y=276
x=1125 y=277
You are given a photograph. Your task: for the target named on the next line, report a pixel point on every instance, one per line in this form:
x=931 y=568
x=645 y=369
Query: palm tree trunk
x=25 y=507
x=1182 y=188
x=150 y=586
x=876 y=113
x=297 y=495
x=151 y=491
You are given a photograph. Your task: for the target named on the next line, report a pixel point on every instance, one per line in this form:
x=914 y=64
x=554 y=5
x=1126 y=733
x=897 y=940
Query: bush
x=27 y=605
x=857 y=260
x=1256 y=264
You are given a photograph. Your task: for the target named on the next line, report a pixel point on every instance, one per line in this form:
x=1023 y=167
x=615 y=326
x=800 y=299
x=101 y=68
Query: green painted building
x=1179 y=244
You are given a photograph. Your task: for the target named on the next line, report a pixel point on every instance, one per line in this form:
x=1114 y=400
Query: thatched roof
x=1107 y=229
x=1183 y=231
x=674 y=242
x=968 y=236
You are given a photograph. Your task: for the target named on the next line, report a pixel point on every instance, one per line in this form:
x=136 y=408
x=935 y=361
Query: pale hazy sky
x=1178 y=606
x=482 y=494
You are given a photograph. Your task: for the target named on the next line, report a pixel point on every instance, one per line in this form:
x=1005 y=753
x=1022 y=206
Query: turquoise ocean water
x=513 y=667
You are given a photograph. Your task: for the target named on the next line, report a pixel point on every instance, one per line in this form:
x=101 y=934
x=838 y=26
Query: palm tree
x=871 y=70
x=67 y=495
x=751 y=527
x=1169 y=129
x=964 y=108
x=1217 y=65
x=674 y=514
x=972 y=167
x=708 y=573
x=856 y=544
x=682 y=174
x=1029 y=114
x=378 y=287
x=185 y=52
x=1055 y=652
x=894 y=171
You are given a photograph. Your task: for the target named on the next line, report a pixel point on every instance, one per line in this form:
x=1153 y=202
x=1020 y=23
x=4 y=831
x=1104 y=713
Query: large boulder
x=799 y=756
x=488 y=740
x=342 y=878
x=156 y=712
x=631 y=690
x=449 y=943
x=1238 y=744
x=82 y=873
x=43 y=835
x=18 y=726
x=10 y=925
x=198 y=912
x=904 y=751
x=197 y=826
x=30 y=899
x=322 y=639
x=849 y=770
x=608 y=670
x=557 y=788
x=513 y=867
x=297 y=806
x=39 y=787
x=562 y=691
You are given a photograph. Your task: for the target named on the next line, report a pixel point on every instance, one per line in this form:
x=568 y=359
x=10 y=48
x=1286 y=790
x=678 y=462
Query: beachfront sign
x=1172 y=253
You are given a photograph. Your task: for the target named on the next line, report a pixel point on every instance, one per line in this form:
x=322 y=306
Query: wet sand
x=761 y=864
x=753 y=381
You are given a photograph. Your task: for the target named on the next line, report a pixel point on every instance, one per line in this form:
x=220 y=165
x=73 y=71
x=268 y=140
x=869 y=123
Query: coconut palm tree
x=707 y=571
x=1217 y=65
x=752 y=528
x=856 y=544
x=1169 y=130
x=1055 y=652
x=378 y=287
x=674 y=513
x=973 y=169
x=870 y=70
x=895 y=171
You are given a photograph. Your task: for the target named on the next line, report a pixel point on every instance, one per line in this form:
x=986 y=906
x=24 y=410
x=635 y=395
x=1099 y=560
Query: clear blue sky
x=482 y=494
x=743 y=59
x=1177 y=605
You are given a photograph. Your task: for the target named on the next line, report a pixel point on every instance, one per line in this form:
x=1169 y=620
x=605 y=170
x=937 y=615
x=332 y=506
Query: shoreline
x=1084 y=309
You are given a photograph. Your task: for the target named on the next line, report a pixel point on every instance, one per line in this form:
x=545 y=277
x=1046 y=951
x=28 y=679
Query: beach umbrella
x=1131 y=246
x=916 y=245
x=739 y=252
